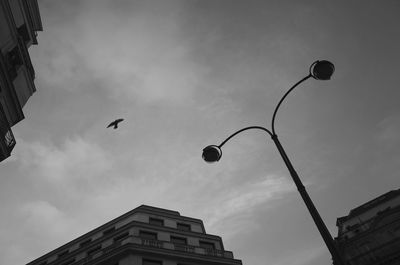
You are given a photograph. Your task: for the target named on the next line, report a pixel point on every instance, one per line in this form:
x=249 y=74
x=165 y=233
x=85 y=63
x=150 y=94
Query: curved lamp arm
x=245 y=129
x=213 y=153
x=283 y=98
x=319 y=70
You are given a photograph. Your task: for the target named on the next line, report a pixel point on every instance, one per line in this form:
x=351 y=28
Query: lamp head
x=212 y=153
x=322 y=70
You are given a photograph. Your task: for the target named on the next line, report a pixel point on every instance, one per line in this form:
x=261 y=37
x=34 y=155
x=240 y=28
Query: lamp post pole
x=323 y=230
x=320 y=70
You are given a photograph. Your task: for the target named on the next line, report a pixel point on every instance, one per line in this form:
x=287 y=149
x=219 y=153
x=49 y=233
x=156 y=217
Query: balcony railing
x=152 y=243
x=214 y=252
x=187 y=248
x=184 y=248
x=148 y=243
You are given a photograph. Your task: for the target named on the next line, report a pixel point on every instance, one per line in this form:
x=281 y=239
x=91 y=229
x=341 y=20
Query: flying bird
x=115 y=123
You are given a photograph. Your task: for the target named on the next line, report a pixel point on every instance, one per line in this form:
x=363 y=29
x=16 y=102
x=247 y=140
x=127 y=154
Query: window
x=63 y=253
x=156 y=221
x=183 y=227
x=109 y=231
x=14 y=57
x=14 y=61
x=178 y=240
x=93 y=250
x=69 y=262
x=9 y=138
x=148 y=235
x=151 y=262
x=85 y=243
x=121 y=236
x=207 y=245
x=23 y=32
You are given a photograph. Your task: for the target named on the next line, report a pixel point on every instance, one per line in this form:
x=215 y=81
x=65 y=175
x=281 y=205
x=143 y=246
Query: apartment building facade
x=370 y=234
x=144 y=236
x=19 y=23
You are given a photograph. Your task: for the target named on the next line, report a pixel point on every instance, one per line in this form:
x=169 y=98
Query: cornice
x=162 y=253
x=122 y=229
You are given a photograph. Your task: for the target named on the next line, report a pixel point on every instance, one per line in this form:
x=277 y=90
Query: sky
x=186 y=74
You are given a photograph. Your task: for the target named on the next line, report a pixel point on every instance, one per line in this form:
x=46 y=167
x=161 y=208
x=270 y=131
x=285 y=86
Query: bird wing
x=115 y=123
x=111 y=124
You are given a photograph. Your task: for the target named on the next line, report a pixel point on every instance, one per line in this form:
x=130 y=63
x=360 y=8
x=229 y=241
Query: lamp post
x=319 y=70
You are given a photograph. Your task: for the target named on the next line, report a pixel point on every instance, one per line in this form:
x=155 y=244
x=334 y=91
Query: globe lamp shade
x=322 y=70
x=212 y=153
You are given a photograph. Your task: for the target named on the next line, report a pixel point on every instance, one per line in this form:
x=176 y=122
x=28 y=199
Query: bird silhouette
x=115 y=123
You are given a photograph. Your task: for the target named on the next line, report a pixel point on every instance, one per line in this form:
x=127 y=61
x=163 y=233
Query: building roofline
x=369 y=205
x=157 y=209
x=34 y=12
x=165 y=212
x=146 y=209
x=142 y=208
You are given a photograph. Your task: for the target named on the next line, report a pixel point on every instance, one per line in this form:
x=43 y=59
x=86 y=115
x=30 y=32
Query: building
x=370 y=234
x=144 y=236
x=19 y=23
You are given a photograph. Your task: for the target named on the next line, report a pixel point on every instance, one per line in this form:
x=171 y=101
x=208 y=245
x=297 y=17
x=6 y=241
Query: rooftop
x=370 y=205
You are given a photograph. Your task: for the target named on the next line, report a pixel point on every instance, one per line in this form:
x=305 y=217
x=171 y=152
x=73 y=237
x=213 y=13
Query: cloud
x=141 y=56
x=232 y=211
x=304 y=256
x=41 y=226
x=390 y=130
x=221 y=106
x=75 y=160
x=384 y=160
x=45 y=228
x=41 y=216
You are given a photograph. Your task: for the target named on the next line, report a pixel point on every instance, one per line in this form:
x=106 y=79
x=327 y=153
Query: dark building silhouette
x=144 y=236
x=19 y=23
x=370 y=234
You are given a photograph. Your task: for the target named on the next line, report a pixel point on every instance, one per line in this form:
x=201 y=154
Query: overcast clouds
x=185 y=74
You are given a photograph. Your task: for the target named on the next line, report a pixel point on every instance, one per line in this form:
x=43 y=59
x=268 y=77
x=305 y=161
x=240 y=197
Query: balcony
x=184 y=248
x=7 y=140
x=152 y=244
x=24 y=54
x=216 y=252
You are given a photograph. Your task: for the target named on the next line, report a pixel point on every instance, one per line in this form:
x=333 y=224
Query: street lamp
x=319 y=70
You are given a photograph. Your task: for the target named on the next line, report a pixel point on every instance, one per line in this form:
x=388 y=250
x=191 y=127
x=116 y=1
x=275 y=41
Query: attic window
x=207 y=245
x=151 y=262
x=178 y=240
x=183 y=227
x=85 y=243
x=156 y=221
x=63 y=253
x=69 y=262
x=148 y=235
x=90 y=252
x=108 y=231
x=121 y=236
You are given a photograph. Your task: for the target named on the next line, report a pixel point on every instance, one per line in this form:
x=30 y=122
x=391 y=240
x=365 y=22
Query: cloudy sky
x=186 y=74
